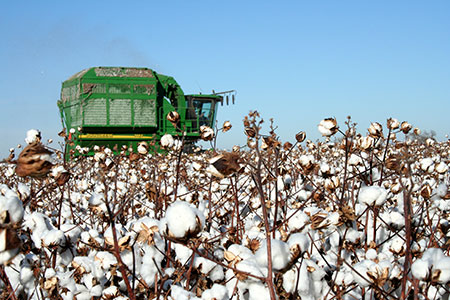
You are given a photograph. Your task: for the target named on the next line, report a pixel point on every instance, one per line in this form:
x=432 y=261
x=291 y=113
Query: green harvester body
x=117 y=106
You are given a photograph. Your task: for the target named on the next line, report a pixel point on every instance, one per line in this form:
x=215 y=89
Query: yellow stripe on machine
x=114 y=136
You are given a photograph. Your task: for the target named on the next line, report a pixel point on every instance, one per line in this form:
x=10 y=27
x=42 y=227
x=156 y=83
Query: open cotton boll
x=280 y=254
x=33 y=135
x=443 y=270
x=151 y=264
x=354 y=160
x=360 y=272
x=372 y=195
x=299 y=239
x=184 y=220
x=7 y=255
x=58 y=170
x=10 y=205
x=258 y=291
x=204 y=265
x=178 y=293
x=216 y=292
x=39 y=224
x=96 y=199
x=23 y=190
x=251 y=266
x=421 y=269
x=290 y=280
x=53 y=237
x=427 y=165
x=167 y=141
x=435 y=260
x=328 y=127
x=298 y=221
x=105 y=259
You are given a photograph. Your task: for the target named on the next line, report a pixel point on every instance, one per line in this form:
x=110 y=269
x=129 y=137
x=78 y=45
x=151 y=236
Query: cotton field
x=352 y=216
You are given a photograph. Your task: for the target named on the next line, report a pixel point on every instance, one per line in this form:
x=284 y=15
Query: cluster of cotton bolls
x=311 y=220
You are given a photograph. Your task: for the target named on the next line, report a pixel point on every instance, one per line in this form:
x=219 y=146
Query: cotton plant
x=336 y=216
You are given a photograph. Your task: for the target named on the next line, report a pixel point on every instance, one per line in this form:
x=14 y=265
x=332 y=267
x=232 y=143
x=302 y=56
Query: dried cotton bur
x=346 y=217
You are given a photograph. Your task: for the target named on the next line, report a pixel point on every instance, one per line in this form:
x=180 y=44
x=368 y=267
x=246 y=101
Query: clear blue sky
x=295 y=61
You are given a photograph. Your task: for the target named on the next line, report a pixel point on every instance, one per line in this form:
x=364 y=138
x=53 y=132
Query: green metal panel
x=110 y=97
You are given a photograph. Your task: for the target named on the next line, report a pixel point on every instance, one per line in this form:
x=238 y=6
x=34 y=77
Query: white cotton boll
x=396 y=272
x=290 y=281
x=280 y=254
x=303 y=195
x=105 y=259
x=26 y=277
x=354 y=160
x=177 y=144
x=182 y=192
x=167 y=141
x=301 y=240
x=444 y=268
x=442 y=168
x=196 y=166
x=241 y=251
x=397 y=219
x=82 y=185
x=183 y=253
x=110 y=292
x=306 y=160
x=327 y=127
x=13 y=205
x=372 y=195
x=433 y=255
x=204 y=265
x=216 y=274
x=362 y=268
x=334 y=240
x=142 y=148
x=49 y=273
x=319 y=272
x=251 y=266
x=134 y=179
x=216 y=292
x=439 y=263
x=23 y=190
x=303 y=286
x=298 y=221
x=10 y=171
x=6 y=256
x=121 y=231
x=183 y=219
x=53 y=237
x=371 y=254
x=39 y=224
x=333 y=218
x=326 y=169
x=421 y=269
x=178 y=293
x=353 y=235
x=33 y=135
x=427 y=164
x=58 y=170
x=151 y=263
x=258 y=291
x=96 y=199
x=397 y=245
x=83 y=296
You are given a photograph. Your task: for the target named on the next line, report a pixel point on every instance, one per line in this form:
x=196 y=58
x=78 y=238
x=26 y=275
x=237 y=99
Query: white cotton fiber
x=280 y=254
x=372 y=195
x=182 y=218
